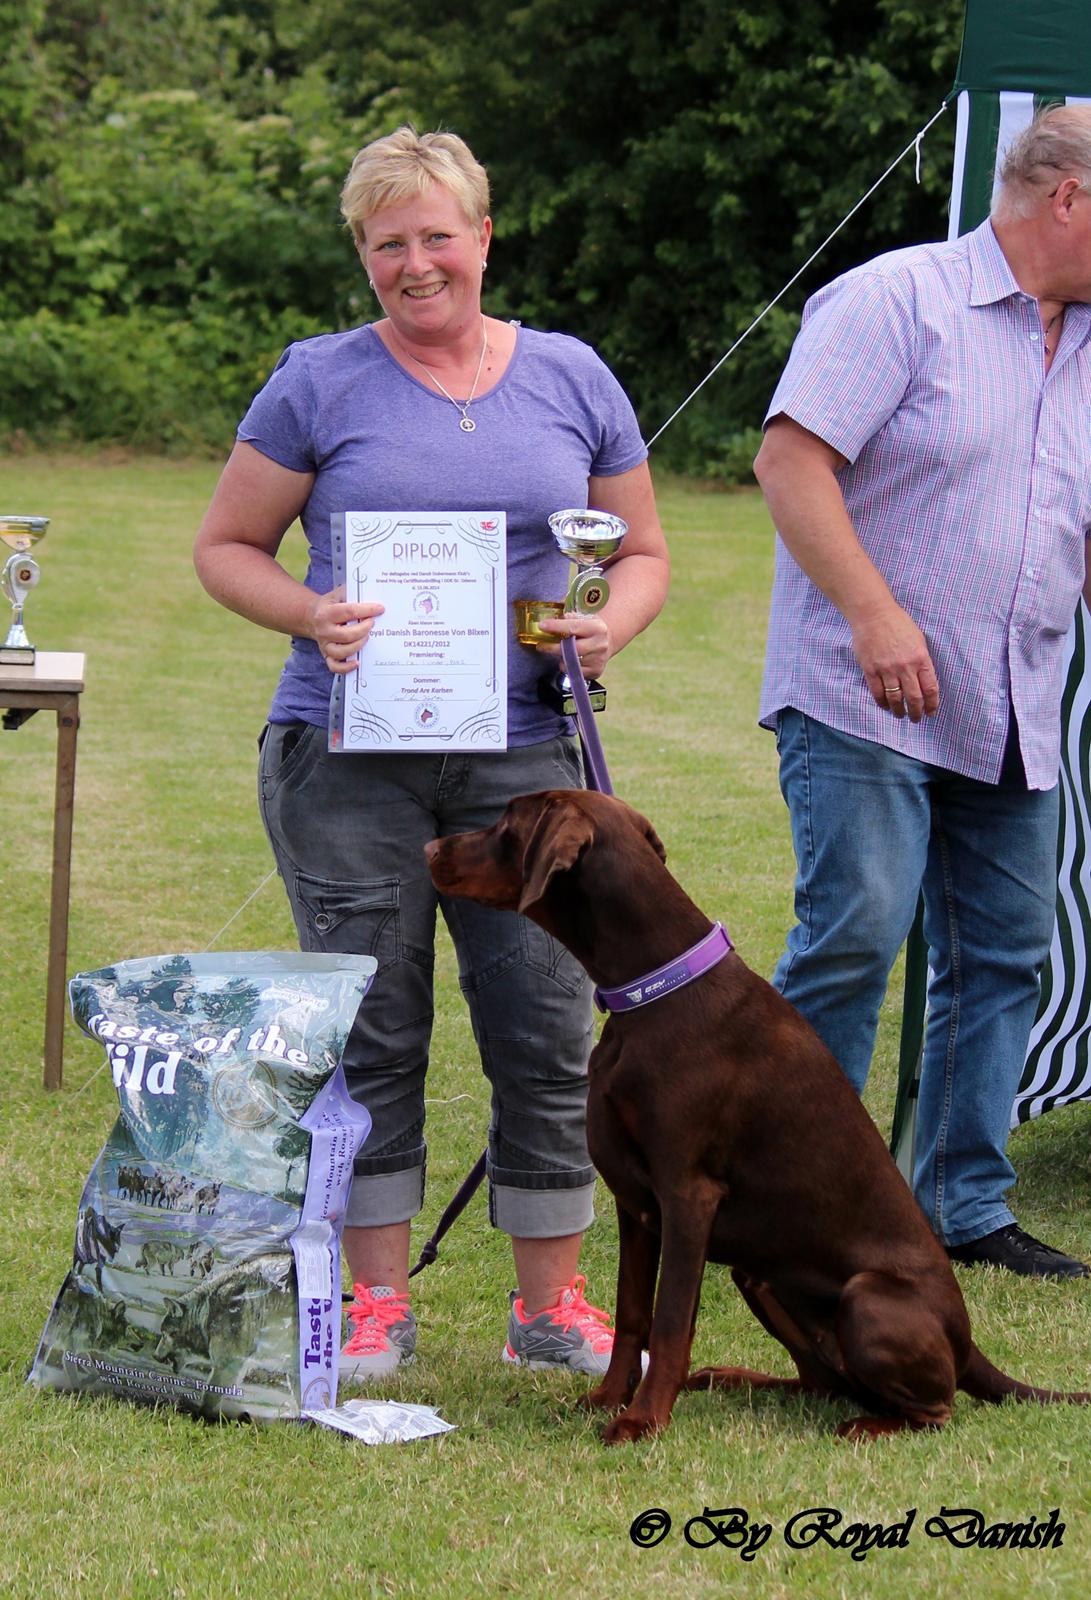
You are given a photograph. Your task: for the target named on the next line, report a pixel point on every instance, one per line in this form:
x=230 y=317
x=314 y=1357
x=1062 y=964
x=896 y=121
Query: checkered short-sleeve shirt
x=969 y=484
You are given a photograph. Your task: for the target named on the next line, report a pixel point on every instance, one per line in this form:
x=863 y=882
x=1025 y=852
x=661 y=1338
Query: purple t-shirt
x=379 y=439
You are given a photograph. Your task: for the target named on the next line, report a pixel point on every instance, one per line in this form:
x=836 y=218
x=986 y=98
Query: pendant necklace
x=467 y=424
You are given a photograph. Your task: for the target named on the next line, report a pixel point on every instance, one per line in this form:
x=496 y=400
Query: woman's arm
x=255 y=502
x=639 y=573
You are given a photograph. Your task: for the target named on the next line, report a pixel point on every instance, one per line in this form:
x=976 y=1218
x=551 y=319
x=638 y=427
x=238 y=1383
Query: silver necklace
x=467 y=424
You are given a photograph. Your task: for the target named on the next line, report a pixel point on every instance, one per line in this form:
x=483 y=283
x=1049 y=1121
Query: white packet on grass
x=382 y=1421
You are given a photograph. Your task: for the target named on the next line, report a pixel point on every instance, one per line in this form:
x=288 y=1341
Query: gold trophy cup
x=587 y=538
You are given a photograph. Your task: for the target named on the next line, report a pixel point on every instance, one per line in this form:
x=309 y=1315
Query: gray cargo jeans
x=348 y=832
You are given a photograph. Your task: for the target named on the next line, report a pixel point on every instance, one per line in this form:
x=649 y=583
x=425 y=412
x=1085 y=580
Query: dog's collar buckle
x=664 y=980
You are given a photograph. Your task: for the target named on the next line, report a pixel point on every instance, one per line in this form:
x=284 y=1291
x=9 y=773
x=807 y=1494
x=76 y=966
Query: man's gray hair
x=1056 y=145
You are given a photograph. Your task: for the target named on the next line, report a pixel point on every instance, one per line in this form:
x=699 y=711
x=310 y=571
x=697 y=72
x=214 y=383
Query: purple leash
x=466 y=1191
x=593 y=758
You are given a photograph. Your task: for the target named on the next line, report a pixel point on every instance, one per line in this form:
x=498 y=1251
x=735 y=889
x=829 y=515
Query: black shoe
x=1015 y=1250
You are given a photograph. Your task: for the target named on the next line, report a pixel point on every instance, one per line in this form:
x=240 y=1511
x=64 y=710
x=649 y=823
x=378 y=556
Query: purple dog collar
x=712 y=948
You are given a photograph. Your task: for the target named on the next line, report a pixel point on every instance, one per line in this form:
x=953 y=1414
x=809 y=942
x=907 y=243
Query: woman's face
x=425 y=259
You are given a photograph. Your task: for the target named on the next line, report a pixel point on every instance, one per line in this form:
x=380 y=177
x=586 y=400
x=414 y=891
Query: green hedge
x=146 y=379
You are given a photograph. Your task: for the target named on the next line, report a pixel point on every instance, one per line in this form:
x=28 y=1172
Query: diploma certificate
x=432 y=673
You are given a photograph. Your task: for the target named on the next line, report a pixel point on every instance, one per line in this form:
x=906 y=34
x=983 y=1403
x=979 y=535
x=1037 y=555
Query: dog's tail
x=983 y=1381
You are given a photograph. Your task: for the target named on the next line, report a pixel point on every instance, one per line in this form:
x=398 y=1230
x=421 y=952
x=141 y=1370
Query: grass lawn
x=103 y=1499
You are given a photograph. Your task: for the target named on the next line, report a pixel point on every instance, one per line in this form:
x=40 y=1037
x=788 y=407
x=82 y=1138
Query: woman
x=436 y=407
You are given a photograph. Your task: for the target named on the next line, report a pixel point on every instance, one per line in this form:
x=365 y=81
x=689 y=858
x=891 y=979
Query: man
x=927 y=462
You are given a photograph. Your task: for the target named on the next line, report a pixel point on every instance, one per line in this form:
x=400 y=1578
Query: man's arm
x=798 y=475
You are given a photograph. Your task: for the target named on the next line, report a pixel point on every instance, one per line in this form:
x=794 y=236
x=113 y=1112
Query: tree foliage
x=171 y=174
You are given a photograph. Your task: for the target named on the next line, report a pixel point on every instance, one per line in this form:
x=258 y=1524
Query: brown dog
x=728 y=1133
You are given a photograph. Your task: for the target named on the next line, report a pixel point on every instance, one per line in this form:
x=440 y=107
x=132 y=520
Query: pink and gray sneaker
x=570 y=1334
x=384 y=1332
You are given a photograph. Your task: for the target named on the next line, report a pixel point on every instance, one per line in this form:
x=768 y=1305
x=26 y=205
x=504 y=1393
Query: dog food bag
x=206 y=1272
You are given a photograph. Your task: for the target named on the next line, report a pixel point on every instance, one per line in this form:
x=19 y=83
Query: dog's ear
x=654 y=840
x=644 y=827
x=560 y=836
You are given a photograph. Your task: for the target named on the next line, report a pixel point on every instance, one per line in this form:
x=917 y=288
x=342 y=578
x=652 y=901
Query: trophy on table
x=587 y=538
x=19 y=576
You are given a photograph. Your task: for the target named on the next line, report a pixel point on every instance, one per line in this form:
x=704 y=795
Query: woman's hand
x=591 y=633
x=340 y=627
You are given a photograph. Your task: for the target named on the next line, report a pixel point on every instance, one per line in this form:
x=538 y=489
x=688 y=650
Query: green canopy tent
x=1016 y=56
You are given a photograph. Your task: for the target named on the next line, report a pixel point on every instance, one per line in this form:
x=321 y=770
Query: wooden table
x=53 y=682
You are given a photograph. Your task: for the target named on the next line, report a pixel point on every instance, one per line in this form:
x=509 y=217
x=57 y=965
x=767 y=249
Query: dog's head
x=512 y=865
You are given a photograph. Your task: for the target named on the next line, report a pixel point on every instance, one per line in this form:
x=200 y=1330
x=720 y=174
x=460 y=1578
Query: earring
x=371 y=284
x=484 y=266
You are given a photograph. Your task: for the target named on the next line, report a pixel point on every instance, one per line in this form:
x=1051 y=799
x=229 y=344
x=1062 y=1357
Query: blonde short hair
x=403 y=164
x=1056 y=145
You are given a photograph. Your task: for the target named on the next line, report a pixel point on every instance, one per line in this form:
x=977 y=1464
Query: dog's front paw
x=605 y=1397
x=628 y=1427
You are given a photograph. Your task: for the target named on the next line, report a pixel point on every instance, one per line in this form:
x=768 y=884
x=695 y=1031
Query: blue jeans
x=872 y=829
x=348 y=833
